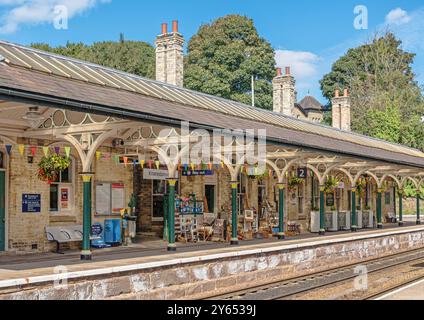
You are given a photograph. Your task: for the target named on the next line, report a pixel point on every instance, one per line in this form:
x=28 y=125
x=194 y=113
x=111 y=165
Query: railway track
x=295 y=287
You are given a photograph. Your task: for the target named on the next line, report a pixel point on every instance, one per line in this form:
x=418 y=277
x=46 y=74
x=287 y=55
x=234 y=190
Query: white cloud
x=33 y=12
x=303 y=64
x=398 y=17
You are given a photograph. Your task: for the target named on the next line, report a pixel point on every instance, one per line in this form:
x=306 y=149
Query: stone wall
x=215 y=276
x=26 y=231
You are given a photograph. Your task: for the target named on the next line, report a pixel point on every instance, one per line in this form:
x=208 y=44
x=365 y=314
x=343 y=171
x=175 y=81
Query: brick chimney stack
x=169 y=56
x=284 y=92
x=341 y=110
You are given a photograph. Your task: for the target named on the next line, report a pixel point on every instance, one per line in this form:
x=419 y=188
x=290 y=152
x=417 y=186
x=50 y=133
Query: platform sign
x=190 y=173
x=302 y=173
x=31 y=203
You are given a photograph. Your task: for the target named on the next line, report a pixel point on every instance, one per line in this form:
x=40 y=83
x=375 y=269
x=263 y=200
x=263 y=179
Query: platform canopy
x=88 y=106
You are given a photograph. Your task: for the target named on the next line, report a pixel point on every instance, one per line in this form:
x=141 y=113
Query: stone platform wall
x=216 y=275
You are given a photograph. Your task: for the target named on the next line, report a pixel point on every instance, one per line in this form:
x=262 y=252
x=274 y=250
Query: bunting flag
x=33 y=150
x=117 y=159
x=125 y=160
x=57 y=150
x=98 y=155
x=179 y=167
x=142 y=162
x=150 y=164
x=222 y=164
x=8 y=149
x=210 y=166
x=185 y=167
x=157 y=163
x=134 y=162
x=107 y=156
x=68 y=152
x=21 y=149
x=46 y=151
x=217 y=166
x=193 y=166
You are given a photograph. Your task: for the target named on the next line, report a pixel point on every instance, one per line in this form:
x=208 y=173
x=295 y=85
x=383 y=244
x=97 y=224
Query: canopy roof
x=35 y=76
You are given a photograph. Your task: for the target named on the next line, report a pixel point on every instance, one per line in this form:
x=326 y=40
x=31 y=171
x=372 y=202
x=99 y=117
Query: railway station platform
x=194 y=271
x=414 y=291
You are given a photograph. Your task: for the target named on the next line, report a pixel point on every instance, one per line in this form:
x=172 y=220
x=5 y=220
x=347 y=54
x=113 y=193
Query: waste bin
x=112 y=233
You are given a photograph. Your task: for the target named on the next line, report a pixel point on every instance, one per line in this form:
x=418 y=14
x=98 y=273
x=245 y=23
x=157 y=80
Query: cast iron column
x=354 y=226
x=281 y=234
x=171 y=218
x=400 y=208
x=418 y=208
x=379 y=213
x=86 y=242
x=234 y=223
x=322 y=211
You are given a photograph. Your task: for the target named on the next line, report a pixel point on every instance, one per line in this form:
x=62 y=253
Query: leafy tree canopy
x=130 y=56
x=387 y=103
x=223 y=56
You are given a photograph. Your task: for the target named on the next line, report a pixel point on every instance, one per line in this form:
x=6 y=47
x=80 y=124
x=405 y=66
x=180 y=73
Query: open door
x=2 y=210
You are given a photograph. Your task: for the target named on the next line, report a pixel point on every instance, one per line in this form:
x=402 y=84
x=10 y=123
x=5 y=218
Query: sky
x=308 y=35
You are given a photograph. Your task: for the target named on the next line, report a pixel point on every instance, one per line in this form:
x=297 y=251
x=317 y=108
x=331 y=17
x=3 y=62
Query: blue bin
x=112 y=233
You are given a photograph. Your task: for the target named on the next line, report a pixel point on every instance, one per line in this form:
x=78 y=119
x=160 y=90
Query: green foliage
x=223 y=56
x=50 y=167
x=331 y=184
x=129 y=56
x=294 y=182
x=387 y=103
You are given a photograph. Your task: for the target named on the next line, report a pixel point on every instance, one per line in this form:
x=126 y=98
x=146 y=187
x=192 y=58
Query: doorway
x=210 y=197
x=2 y=210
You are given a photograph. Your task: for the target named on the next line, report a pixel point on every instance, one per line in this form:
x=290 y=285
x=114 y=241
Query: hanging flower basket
x=294 y=182
x=331 y=185
x=50 y=167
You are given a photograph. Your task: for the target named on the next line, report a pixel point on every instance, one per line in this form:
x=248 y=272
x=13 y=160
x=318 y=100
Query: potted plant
x=50 y=167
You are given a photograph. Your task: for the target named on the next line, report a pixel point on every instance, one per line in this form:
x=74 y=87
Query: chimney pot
x=337 y=94
x=279 y=72
x=175 y=26
x=287 y=71
x=164 y=28
x=346 y=93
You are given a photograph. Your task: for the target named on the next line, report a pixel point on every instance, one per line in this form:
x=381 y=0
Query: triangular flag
x=193 y=166
x=21 y=149
x=150 y=164
x=46 y=151
x=157 y=163
x=57 y=150
x=134 y=162
x=117 y=159
x=142 y=162
x=107 y=156
x=125 y=161
x=8 y=149
x=210 y=166
x=33 y=150
x=68 y=152
x=98 y=155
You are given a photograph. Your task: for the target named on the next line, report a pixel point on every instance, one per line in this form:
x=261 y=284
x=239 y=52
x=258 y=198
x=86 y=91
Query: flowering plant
x=50 y=167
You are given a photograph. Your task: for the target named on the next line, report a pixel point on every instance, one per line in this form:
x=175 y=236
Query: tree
x=223 y=56
x=130 y=56
x=386 y=100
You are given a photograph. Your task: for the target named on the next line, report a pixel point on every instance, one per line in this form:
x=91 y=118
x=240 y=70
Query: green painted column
x=234 y=222
x=281 y=235
x=171 y=218
x=354 y=222
x=379 y=209
x=400 y=207
x=322 y=210
x=418 y=208
x=86 y=242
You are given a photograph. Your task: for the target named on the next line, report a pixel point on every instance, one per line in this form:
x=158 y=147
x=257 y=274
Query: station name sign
x=191 y=173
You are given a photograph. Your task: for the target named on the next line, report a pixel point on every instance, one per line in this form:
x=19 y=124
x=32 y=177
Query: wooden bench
x=66 y=234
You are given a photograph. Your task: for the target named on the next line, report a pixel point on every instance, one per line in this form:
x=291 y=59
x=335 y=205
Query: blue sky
x=308 y=35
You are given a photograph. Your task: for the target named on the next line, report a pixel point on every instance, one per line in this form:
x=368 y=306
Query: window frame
x=71 y=187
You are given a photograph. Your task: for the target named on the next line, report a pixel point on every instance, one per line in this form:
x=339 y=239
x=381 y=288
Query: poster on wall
x=330 y=200
x=103 y=196
x=31 y=203
x=118 y=197
x=64 y=198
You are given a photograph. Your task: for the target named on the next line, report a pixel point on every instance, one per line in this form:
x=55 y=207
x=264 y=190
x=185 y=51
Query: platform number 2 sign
x=302 y=173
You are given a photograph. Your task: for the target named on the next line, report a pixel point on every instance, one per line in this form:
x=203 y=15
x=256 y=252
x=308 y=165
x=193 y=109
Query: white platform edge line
x=400 y=290
x=232 y=254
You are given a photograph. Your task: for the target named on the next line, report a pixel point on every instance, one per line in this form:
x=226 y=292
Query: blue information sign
x=31 y=203
x=190 y=173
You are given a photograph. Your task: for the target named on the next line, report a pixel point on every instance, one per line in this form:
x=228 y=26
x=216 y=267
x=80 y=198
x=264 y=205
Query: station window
x=300 y=198
x=241 y=193
x=61 y=191
x=159 y=190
